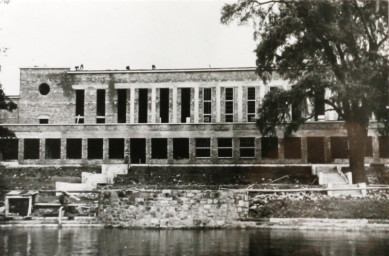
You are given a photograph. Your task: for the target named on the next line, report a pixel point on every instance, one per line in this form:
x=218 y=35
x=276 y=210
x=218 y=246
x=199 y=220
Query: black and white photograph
x=194 y=127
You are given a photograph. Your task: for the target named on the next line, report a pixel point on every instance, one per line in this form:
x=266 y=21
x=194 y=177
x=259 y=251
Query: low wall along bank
x=173 y=208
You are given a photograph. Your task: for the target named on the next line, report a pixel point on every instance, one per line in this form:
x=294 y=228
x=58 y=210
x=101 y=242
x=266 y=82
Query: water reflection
x=93 y=241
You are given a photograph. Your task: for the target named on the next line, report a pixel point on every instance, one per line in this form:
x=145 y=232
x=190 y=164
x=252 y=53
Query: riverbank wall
x=173 y=208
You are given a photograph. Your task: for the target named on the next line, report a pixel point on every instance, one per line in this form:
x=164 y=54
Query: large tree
x=340 y=47
x=8 y=105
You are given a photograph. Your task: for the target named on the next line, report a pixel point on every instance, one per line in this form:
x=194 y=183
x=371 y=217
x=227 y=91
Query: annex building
x=163 y=117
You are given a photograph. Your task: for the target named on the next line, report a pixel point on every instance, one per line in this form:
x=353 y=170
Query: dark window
x=100 y=106
x=43 y=121
x=53 y=149
x=269 y=146
x=159 y=148
x=207 y=105
x=143 y=105
x=95 y=148
x=138 y=151
x=80 y=100
x=116 y=148
x=315 y=148
x=292 y=147
x=251 y=104
x=185 y=104
x=122 y=105
x=247 y=147
x=339 y=147
x=164 y=105
x=383 y=146
x=224 y=147
x=44 y=89
x=9 y=148
x=319 y=103
x=203 y=147
x=73 y=148
x=229 y=105
x=180 y=148
x=31 y=148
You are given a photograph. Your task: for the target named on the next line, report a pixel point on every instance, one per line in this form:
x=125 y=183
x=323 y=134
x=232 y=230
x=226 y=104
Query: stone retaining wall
x=173 y=208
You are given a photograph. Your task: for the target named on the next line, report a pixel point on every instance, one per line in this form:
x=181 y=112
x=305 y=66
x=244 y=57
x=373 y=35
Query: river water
x=100 y=241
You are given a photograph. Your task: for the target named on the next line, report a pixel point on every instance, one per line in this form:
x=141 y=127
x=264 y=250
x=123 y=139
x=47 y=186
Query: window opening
x=116 y=148
x=207 y=93
x=185 y=105
x=122 y=105
x=159 y=148
x=74 y=148
x=269 y=147
x=224 y=147
x=53 y=149
x=31 y=148
x=95 y=148
x=143 y=105
x=247 y=147
x=229 y=105
x=251 y=104
x=203 y=147
x=180 y=148
x=80 y=101
x=164 y=105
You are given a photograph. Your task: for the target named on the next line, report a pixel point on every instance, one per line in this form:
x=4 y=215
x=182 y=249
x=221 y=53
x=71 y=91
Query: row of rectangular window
x=164 y=105
x=225 y=148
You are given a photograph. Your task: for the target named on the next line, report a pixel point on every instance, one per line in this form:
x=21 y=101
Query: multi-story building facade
x=163 y=117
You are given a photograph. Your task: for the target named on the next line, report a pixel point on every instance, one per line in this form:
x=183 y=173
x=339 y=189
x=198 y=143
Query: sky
x=112 y=34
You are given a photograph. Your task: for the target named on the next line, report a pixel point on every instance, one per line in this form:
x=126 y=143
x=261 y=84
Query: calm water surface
x=99 y=241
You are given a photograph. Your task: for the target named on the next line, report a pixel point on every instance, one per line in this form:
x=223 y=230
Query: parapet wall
x=173 y=208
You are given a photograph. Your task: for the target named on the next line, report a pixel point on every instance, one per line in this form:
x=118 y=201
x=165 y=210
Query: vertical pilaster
x=192 y=149
x=148 y=150
x=240 y=103
x=192 y=105
x=90 y=106
x=158 y=105
x=127 y=150
x=136 y=106
x=218 y=102
x=153 y=106
x=213 y=105
x=196 y=105
x=304 y=150
x=170 y=159
x=222 y=104
x=63 y=148
x=213 y=149
x=84 y=147
x=42 y=148
x=132 y=105
x=236 y=145
x=111 y=106
x=175 y=105
x=258 y=97
x=128 y=106
x=149 y=106
x=21 y=149
x=236 y=104
x=105 y=150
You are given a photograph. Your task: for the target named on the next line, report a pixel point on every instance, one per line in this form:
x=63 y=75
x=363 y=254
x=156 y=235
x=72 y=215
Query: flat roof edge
x=162 y=70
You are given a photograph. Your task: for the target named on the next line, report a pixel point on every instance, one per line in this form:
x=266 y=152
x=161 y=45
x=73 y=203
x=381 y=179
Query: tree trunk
x=357 y=137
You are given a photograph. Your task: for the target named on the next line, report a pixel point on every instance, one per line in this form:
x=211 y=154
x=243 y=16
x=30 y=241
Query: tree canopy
x=340 y=47
x=9 y=105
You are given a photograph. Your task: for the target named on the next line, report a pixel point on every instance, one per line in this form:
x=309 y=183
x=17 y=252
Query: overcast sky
x=111 y=34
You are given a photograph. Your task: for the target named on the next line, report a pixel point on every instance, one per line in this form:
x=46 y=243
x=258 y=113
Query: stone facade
x=173 y=208
x=132 y=128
